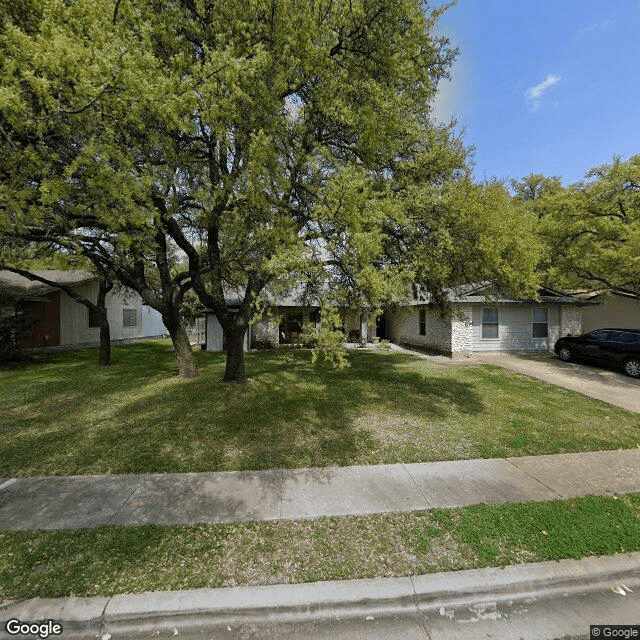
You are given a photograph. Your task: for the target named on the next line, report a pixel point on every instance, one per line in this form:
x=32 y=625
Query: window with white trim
x=489 y=323
x=540 y=322
x=129 y=317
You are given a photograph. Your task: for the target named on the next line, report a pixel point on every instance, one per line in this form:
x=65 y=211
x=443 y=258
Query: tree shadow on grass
x=292 y=414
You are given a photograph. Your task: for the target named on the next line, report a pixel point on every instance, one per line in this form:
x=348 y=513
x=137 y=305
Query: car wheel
x=632 y=367
x=565 y=354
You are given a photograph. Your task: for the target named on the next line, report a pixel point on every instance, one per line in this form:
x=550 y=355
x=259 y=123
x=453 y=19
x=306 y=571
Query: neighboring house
x=480 y=323
x=609 y=309
x=61 y=323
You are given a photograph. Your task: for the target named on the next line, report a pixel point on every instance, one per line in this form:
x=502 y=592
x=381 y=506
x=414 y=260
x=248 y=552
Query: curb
x=147 y=613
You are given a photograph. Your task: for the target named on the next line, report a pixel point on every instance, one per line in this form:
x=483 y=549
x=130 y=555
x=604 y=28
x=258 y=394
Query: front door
x=381 y=327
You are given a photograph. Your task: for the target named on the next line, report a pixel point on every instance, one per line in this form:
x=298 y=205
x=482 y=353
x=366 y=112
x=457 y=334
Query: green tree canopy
x=592 y=228
x=266 y=141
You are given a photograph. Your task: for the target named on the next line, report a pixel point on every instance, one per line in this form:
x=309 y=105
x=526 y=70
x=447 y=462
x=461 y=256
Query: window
x=489 y=323
x=423 y=322
x=540 y=322
x=93 y=319
x=129 y=318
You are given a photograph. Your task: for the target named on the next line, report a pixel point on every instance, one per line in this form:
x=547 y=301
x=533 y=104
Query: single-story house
x=285 y=324
x=479 y=323
x=62 y=324
x=610 y=310
x=482 y=323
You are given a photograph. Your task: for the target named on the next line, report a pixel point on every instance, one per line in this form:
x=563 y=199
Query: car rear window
x=624 y=337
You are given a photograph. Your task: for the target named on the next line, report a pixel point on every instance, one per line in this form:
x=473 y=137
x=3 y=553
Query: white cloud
x=535 y=93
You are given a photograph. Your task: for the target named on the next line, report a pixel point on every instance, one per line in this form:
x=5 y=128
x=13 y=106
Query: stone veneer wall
x=266 y=329
x=404 y=327
x=462 y=333
x=570 y=320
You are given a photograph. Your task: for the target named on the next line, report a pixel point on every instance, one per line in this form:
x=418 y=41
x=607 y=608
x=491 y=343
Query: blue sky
x=544 y=86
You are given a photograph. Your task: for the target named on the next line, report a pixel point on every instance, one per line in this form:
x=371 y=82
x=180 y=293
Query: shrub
x=14 y=324
x=264 y=344
x=310 y=337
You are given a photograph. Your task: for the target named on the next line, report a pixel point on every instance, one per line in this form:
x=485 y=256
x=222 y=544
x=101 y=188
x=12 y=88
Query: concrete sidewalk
x=78 y=502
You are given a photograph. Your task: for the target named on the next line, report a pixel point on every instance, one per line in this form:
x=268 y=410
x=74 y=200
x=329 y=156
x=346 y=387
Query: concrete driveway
x=608 y=385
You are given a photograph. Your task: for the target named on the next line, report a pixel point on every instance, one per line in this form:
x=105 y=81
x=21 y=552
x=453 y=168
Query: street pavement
x=538 y=601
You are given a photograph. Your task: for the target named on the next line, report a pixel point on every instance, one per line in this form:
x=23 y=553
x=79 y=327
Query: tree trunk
x=234 y=371
x=187 y=367
x=103 y=321
x=105 y=338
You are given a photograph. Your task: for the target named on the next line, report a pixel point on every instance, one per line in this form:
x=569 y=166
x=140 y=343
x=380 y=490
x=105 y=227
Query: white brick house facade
x=515 y=327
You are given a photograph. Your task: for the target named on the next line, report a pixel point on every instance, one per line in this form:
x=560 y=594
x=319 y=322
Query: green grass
x=65 y=415
x=110 y=560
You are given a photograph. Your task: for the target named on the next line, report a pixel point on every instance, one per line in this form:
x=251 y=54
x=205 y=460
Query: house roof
x=19 y=286
x=480 y=293
x=601 y=293
x=294 y=296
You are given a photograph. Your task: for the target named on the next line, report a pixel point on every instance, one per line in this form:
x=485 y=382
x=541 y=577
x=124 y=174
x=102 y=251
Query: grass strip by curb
x=110 y=560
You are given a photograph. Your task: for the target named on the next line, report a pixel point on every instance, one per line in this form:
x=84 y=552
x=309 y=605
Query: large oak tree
x=269 y=141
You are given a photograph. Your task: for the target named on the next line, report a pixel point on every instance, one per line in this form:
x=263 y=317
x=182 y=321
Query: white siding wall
x=152 y=324
x=215 y=334
x=515 y=329
x=364 y=328
x=403 y=326
x=74 y=317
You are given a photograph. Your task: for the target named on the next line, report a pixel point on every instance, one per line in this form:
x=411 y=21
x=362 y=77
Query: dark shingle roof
x=18 y=285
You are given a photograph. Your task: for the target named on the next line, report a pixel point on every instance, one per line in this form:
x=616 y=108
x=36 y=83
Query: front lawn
x=110 y=560
x=65 y=415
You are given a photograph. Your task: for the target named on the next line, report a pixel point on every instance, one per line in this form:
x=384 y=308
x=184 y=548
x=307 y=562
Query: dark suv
x=620 y=347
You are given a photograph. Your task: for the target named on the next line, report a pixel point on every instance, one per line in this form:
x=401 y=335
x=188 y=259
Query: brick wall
x=570 y=320
x=404 y=327
x=462 y=332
